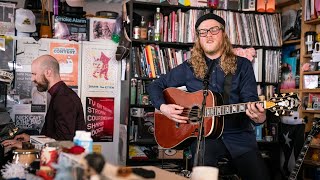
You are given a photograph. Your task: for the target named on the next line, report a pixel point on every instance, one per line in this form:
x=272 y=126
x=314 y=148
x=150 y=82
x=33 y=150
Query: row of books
x=244 y=5
x=313 y=101
x=139 y=93
x=242 y=28
x=151 y=61
x=266 y=91
x=270 y=65
x=310 y=9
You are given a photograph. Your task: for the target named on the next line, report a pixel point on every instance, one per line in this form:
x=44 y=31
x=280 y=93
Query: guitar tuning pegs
x=283 y=94
x=277 y=114
x=291 y=93
x=281 y=108
x=283 y=112
x=289 y=108
x=275 y=95
x=291 y=113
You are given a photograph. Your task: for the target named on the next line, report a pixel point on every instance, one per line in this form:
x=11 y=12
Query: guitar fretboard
x=228 y=109
x=302 y=155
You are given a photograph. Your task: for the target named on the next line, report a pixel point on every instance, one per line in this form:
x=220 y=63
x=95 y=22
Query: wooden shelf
x=289 y=90
x=190 y=45
x=315 y=146
x=307 y=56
x=289 y=42
x=311 y=111
x=313 y=22
x=286 y=3
x=311 y=72
x=310 y=162
x=317 y=90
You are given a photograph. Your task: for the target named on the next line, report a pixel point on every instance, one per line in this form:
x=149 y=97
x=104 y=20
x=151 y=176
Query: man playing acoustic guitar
x=212 y=47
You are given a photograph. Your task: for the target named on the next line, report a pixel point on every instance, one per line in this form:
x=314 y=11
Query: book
x=310 y=81
x=288 y=73
x=70 y=28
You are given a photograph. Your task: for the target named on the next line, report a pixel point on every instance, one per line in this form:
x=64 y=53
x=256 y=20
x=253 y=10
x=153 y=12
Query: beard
x=43 y=85
x=212 y=49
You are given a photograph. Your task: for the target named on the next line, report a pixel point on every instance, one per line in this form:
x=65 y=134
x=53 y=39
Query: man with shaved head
x=65 y=112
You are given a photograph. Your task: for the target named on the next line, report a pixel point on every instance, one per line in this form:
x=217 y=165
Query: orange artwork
x=68 y=57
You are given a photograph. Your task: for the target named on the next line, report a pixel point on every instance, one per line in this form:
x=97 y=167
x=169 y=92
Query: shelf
x=289 y=42
x=311 y=90
x=189 y=45
x=311 y=72
x=315 y=146
x=141 y=106
x=167 y=6
x=160 y=43
x=144 y=142
x=310 y=162
x=307 y=56
x=311 y=111
x=286 y=3
x=289 y=90
x=144 y=78
x=313 y=22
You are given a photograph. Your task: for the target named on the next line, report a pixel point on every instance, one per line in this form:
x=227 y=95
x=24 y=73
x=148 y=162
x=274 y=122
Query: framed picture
x=101 y=29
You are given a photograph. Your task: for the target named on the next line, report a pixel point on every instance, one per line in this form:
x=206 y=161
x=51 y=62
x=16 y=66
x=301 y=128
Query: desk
x=110 y=171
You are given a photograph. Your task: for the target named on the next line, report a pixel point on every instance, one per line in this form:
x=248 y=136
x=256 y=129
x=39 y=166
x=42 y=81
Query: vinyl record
x=288 y=19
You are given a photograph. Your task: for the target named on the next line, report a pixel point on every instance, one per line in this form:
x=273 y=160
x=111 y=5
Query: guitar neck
x=302 y=155
x=229 y=109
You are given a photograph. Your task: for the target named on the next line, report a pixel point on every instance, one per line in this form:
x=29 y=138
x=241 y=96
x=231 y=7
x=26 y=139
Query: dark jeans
x=250 y=166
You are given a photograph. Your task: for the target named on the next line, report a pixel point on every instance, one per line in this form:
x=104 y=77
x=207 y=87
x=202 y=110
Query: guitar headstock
x=283 y=103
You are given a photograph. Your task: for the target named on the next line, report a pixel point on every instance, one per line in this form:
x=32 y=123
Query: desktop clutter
x=47 y=159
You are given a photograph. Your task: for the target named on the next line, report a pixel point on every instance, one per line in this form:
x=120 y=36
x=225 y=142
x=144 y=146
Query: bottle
x=77 y=137
x=157 y=25
x=86 y=142
x=143 y=29
x=150 y=32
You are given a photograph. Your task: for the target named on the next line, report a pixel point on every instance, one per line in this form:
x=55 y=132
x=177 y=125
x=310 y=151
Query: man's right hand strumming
x=174 y=112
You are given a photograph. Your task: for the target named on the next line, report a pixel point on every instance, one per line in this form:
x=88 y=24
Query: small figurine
x=93 y=166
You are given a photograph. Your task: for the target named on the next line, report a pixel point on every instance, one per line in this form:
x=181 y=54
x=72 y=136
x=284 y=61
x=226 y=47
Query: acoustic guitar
x=169 y=134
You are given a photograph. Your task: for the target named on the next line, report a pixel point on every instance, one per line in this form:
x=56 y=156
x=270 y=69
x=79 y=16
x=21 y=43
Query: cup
x=204 y=173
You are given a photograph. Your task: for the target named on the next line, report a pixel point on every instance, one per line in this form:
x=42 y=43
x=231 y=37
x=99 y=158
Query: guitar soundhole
x=194 y=114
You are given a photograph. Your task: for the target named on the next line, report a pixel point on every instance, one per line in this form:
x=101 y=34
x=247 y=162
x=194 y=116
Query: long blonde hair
x=227 y=61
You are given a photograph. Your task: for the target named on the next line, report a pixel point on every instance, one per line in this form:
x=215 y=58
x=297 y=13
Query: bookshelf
x=252 y=38
x=310 y=113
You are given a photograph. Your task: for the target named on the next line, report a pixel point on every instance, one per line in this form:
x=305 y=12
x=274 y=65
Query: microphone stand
x=200 y=137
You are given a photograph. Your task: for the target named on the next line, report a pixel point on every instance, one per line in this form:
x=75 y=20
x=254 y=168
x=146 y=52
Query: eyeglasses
x=213 y=30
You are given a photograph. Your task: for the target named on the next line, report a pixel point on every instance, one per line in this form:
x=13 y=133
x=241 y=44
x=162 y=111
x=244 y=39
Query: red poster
x=100 y=118
x=68 y=57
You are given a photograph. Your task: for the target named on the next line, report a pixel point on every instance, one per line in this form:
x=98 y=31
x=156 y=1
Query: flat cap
x=210 y=16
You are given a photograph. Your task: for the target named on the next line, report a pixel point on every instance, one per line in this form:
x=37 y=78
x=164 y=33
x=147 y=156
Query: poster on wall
x=101 y=29
x=6 y=53
x=25 y=118
x=29 y=49
x=7 y=18
x=67 y=55
x=27 y=91
x=100 y=118
x=100 y=70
